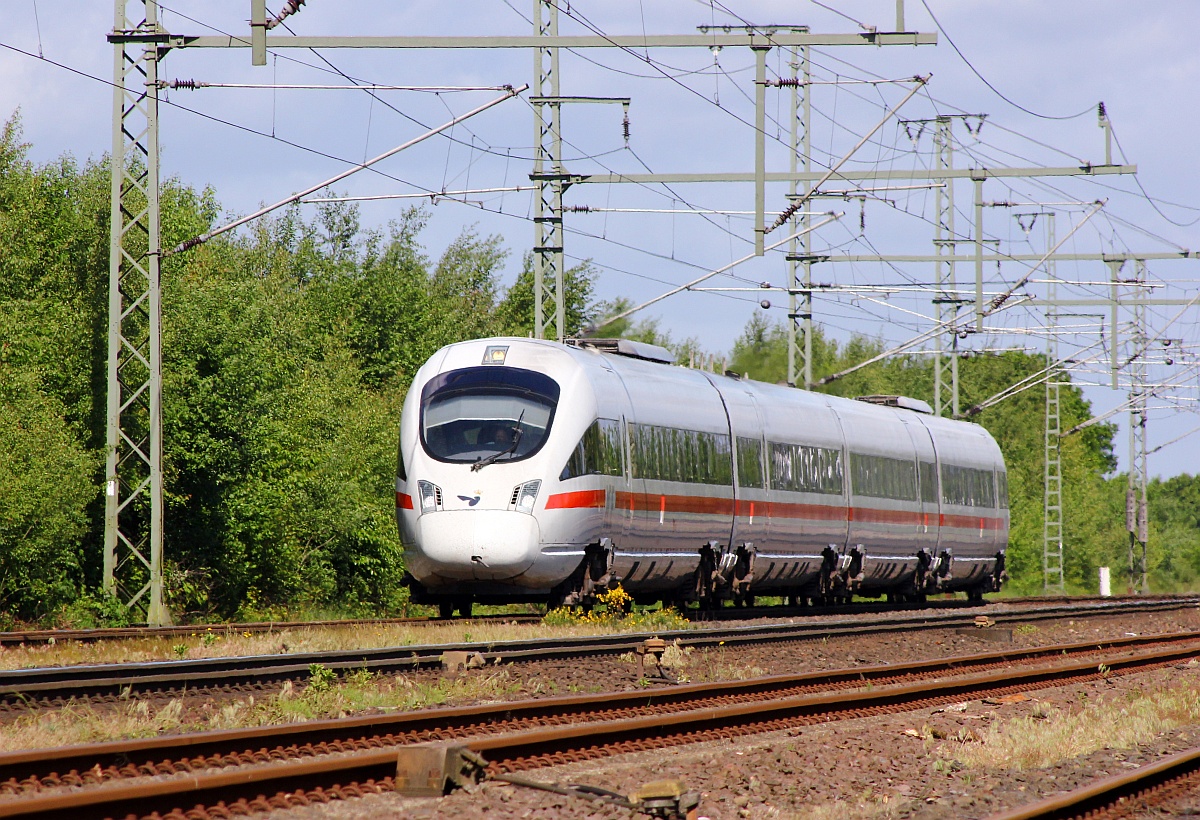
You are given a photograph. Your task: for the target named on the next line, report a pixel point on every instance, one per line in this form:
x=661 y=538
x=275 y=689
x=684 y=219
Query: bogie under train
x=536 y=471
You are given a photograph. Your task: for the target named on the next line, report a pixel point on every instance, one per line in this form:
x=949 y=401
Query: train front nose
x=479 y=545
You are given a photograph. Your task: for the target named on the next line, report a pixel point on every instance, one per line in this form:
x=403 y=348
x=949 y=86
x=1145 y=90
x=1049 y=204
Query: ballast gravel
x=893 y=766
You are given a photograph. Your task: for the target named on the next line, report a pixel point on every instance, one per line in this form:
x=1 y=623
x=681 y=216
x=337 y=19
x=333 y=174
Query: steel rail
x=1156 y=783
x=197 y=793
x=64 y=682
x=63 y=766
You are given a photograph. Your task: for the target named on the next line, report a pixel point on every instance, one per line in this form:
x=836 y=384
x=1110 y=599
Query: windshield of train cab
x=492 y=414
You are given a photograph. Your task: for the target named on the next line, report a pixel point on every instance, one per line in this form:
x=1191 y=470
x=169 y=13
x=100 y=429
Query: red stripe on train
x=575 y=500
x=404 y=501
x=656 y=502
x=706 y=505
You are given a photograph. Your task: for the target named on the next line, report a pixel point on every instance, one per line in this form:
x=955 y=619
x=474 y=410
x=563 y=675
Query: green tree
x=516 y=311
x=46 y=481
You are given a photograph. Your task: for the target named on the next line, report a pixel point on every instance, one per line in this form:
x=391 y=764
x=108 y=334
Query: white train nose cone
x=470 y=545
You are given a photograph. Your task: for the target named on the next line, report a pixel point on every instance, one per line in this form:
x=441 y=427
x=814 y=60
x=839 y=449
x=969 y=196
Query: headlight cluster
x=431 y=496
x=525 y=494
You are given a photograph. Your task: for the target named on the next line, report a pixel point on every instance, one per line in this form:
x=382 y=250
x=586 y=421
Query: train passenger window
x=597 y=453
x=804 y=469
x=476 y=412
x=968 y=486
x=1002 y=489
x=672 y=454
x=884 y=477
x=928 y=474
x=750 y=463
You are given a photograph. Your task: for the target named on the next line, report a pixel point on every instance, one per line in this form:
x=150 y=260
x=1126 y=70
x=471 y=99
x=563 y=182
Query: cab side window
x=597 y=453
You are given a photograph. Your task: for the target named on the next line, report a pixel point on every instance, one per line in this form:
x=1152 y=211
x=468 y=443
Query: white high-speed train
x=535 y=471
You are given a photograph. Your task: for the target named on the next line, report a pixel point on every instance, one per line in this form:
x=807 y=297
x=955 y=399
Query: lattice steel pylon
x=1136 y=504
x=945 y=358
x=800 y=324
x=1053 y=578
x=548 y=272
x=133 y=513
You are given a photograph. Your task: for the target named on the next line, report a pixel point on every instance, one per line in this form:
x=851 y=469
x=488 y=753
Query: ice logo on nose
x=471 y=501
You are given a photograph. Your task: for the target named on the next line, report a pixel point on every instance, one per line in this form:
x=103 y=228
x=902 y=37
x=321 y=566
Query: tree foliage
x=289 y=348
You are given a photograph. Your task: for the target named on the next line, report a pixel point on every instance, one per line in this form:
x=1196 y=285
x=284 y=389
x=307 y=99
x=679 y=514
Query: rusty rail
x=1123 y=795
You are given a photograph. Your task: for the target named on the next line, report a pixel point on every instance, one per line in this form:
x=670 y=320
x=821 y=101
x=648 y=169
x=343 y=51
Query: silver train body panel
x=685 y=458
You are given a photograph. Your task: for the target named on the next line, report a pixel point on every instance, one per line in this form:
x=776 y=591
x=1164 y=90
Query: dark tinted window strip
x=928 y=476
x=804 y=469
x=968 y=486
x=750 y=466
x=673 y=454
x=884 y=477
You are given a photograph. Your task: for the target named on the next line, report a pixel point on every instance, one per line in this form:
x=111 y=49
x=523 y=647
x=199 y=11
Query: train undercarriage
x=722 y=574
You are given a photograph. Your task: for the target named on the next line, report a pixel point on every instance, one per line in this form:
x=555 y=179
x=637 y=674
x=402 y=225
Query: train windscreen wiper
x=512 y=448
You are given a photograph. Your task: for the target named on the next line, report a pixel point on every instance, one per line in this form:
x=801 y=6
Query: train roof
x=640 y=360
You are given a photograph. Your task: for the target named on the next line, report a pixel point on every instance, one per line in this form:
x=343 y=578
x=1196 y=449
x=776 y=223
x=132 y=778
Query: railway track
x=52 y=686
x=41 y=636
x=1133 y=794
x=211 y=774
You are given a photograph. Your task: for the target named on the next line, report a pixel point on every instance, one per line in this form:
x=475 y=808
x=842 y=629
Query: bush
x=93 y=610
x=45 y=485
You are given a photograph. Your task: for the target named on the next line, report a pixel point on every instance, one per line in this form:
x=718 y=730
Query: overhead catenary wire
x=988 y=83
x=799 y=202
x=627 y=313
x=204 y=237
x=191 y=85
x=420 y=195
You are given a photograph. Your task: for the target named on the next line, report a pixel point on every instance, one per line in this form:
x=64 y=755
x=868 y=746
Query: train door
x=614 y=408
x=750 y=520
x=927 y=528
x=617 y=509
x=844 y=531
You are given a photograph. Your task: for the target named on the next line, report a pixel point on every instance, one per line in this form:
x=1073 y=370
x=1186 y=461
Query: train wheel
x=975 y=595
x=446 y=609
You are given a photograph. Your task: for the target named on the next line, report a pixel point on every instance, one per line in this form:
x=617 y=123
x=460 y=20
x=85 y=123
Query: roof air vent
x=903 y=402
x=625 y=347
